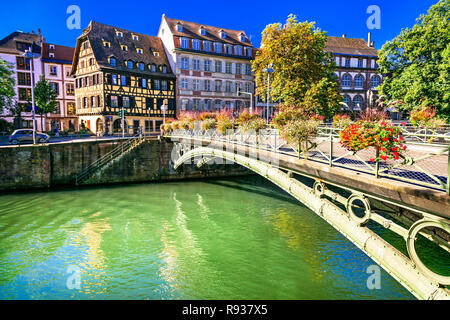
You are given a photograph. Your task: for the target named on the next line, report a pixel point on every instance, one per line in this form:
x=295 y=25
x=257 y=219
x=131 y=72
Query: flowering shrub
x=206 y=115
x=224 y=121
x=382 y=135
x=209 y=124
x=425 y=117
x=299 y=131
x=245 y=116
x=255 y=124
x=341 y=121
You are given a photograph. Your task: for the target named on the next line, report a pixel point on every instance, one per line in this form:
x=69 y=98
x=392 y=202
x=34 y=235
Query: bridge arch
x=383 y=253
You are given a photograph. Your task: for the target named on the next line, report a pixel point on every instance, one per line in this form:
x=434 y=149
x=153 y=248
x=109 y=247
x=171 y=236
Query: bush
x=425 y=117
x=341 y=121
x=208 y=124
x=299 y=131
x=255 y=124
x=224 y=121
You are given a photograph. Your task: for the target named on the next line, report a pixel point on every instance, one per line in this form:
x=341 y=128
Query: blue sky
x=335 y=17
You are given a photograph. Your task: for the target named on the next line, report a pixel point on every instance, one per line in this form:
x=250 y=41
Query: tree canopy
x=417 y=63
x=303 y=72
x=6 y=84
x=44 y=97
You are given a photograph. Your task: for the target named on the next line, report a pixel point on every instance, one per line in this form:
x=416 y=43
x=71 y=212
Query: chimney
x=369 y=40
x=344 y=36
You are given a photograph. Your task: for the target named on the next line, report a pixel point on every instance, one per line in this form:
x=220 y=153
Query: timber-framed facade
x=116 y=69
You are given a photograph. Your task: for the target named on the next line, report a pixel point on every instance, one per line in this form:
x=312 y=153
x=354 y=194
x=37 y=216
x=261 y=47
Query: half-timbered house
x=116 y=69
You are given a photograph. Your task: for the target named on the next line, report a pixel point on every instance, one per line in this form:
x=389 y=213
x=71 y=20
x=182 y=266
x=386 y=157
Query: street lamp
x=163 y=109
x=239 y=92
x=29 y=54
x=269 y=70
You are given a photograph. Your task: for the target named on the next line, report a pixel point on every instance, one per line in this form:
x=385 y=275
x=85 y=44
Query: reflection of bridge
x=408 y=198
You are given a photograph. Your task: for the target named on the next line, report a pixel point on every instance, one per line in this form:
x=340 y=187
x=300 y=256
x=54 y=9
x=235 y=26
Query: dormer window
x=202 y=31
x=107 y=44
x=223 y=34
x=130 y=64
x=179 y=27
x=156 y=53
x=124 y=47
x=164 y=69
x=112 y=62
x=135 y=37
x=242 y=37
x=141 y=66
x=153 y=67
x=51 y=55
x=52 y=47
x=139 y=50
x=119 y=34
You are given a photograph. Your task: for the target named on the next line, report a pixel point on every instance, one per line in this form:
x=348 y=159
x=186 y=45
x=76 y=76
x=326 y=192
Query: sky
x=336 y=17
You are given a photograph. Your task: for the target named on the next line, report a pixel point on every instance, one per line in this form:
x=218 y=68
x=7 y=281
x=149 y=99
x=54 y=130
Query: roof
x=97 y=33
x=8 y=44
x=61 y=53
x=350 y=46
x=192 y=30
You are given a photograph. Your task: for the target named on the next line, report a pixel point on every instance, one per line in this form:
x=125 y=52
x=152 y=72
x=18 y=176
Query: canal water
x=239 y=238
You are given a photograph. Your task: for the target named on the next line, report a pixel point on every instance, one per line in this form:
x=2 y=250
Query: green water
x=217 y=239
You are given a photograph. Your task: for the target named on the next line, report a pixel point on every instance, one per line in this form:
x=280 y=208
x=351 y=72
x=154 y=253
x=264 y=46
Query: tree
x=45 y=98
x=303 y=72
x=417 y=63
x=6 y=84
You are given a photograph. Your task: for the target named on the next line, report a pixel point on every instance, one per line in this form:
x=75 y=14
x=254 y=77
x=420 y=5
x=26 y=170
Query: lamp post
x=163 y=109
x=269 y=70
x=239 y=92
x=29 y=54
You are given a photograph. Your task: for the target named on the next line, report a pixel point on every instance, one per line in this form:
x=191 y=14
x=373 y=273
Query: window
x=123 y=80
x=144 y=83
x=202 y=31
x=196 y=44
x=23 y=79
x=228 y=67
x=139 y=50
x=55 y=87
x=238 y=68
x=196 y=64
x=375 y=82
x=223 y=34
x=218 y=65
x=196 y=84
x=85 y=45
x=248 y=69
x=91 y=61
x=114 y=79
x=164 y=85
x=93 y=100
x=184 y=63
x=114 y=102
x=141 y=66
x=179 y=27
x=23 y=63
x=24 y=94
x=207 y=85
x=184 y=43
x=248 y=51
x=207 y=65
x=130 y=64
x=51 y=55
x=124 y=47
x=360 y=64
x=242 y=37
x=228 y=49
x=112 y=62
x=107 y=44
x=346 y=81
x=238 y=50
x=156 y=53
x=126 y=102
x=347 y=100
x=70 y=108
x=82 y=64
x=184 y=83
x=135 y=37
x=376 y=65
x=217 y=47
x=153 y=67
x=207 y=46
x=218 y=85
x=227 y=86
x=359 y=81
x=347 y=62
x=119 y=34
x=357 y=102
x=156 y=84
x=248 y=87
x=23 y=46
x=70 y=89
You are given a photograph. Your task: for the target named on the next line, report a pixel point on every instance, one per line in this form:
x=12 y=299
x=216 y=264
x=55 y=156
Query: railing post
x=331 y=148
x=377 y=163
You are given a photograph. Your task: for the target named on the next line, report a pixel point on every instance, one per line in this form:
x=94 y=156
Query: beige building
x=210 y=64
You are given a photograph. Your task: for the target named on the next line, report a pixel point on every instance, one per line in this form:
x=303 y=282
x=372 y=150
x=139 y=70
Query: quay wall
x=55 y=165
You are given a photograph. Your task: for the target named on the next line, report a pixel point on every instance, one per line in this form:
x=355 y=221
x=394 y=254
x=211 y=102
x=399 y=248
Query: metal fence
x=425 y=162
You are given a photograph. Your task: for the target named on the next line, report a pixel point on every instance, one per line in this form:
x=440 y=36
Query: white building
x=210 y=64
x=12 y=48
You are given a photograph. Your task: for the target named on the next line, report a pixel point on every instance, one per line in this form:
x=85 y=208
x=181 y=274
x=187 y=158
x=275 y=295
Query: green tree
x=6 y=84
x=417 y=63
x=303 y=72
x=45 y=98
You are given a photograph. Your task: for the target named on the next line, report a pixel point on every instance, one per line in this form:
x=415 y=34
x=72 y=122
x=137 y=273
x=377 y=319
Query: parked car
x=26 y=135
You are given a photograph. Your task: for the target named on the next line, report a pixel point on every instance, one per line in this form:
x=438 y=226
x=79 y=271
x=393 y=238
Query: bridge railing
x=426 y=160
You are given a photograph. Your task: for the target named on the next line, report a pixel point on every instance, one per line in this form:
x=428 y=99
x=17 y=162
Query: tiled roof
x=97 y=33
x=350 y=46
x=192 y=30
x=62 y=53
x=8 y=44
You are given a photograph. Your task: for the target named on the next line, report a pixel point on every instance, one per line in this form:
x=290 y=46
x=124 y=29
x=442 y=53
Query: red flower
x=372 y=160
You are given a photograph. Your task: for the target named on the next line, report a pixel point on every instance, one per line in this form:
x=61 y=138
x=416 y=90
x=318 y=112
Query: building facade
x=357 y=70
x=12 y=49
x=211 y=65
x=117 y=69
x=56 y=67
